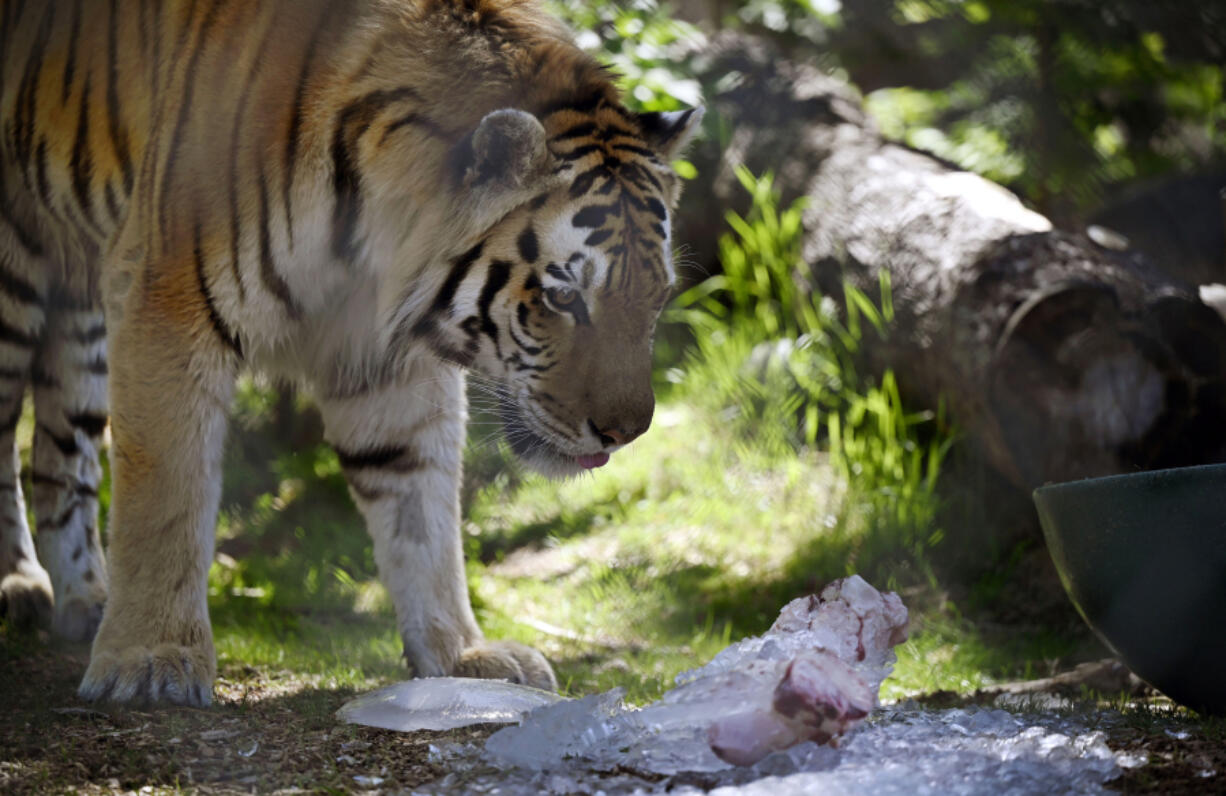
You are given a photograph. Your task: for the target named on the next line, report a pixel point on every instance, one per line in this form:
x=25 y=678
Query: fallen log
x=1057 y=357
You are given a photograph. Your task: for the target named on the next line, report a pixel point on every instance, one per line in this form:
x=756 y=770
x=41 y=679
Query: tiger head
x=557 y=299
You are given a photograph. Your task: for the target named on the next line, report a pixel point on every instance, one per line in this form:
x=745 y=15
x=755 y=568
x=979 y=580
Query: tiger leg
x=70 y=409
x=171 y=383
x=26 y=596
x=401 y=447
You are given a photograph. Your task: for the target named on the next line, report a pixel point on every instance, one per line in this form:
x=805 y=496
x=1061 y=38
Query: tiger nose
x=613 y=435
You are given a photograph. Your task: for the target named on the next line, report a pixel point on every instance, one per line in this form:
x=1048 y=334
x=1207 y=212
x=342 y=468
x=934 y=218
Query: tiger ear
x=668 y=132
x=505 y=152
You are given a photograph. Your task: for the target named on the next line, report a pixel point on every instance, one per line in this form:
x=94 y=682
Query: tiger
x=367 y=199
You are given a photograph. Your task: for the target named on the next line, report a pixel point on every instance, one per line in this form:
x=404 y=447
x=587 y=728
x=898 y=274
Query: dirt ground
x=272 y=732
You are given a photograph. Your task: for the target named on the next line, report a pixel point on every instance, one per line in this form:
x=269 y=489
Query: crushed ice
x=788 y=712
x=900 y=750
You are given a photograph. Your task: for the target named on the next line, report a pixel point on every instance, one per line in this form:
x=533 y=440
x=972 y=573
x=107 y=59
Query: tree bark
x=1056 y=357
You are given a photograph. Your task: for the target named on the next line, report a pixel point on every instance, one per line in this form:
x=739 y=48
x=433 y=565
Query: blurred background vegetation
x=774 y=463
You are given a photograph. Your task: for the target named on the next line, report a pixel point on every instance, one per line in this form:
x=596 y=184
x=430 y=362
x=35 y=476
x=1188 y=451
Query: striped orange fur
x=364 y=197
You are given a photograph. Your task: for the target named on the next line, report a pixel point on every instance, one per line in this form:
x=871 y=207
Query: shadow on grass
x=562 y=527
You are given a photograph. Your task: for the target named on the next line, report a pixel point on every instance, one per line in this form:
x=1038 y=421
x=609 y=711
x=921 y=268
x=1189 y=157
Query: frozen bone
x=813 y=676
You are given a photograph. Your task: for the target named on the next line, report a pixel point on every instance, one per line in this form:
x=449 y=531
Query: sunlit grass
x=332 y=650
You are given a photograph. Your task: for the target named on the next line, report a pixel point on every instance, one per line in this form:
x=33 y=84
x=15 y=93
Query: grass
x=624 y=577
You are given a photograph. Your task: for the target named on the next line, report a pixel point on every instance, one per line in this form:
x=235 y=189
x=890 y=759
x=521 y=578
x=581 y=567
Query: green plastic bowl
x=1143 y=557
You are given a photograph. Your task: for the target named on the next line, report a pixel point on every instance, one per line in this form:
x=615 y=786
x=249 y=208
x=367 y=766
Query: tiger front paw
x=162 y=673
x=506 y=660
x=26 y=598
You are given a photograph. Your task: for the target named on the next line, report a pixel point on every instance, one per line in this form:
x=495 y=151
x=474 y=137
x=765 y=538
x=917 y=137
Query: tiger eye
x=561 y=296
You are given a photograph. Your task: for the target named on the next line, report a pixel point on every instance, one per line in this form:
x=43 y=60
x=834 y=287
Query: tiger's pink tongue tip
x=593 y=461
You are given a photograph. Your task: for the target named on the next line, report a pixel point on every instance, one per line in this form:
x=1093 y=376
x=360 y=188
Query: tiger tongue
x=593 y=461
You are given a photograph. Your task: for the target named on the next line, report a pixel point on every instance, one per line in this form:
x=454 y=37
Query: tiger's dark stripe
x=41 y=179
x=292 y=141
x=66 y=445
x=655 y=127
x=397 y=458
x=578 y=131
x=219 y=325
x=598 y=237
x=26 y=240
x=12 y=374
x=92 y=423
x=583 y=183
x=611 y=131
x=527 y=348
x=427 y=327
x=497 y=276
x=656 y=208
x=641 y=175
x=82 y=163
x=42 y=479
x=235 y=149
x=62 y=521
x=17 y=288
x=14 y=336
x=459 y=269
x=529 y=247
x=417 y=120
x=580 y=151
x=585 y=104
x=185 y=107
x=70 y=63
x=112 y=201
x=41 y=378
x=91 y=335
x=352 y=123
x=347 y=187
x=594 y=216
x=273 y=281
x=118 y=135
x=26 y=112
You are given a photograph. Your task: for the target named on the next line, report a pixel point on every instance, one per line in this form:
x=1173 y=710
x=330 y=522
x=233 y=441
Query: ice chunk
x=569 y=729
x=444 y=703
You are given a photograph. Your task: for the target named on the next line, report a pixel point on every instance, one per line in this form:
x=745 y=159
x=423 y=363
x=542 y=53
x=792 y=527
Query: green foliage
x=290 y=535
x=785 y=367
x=643 y=44
x=1059 y=101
